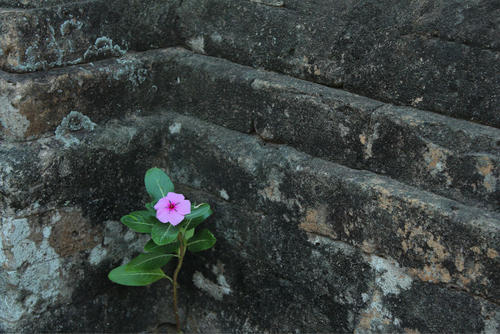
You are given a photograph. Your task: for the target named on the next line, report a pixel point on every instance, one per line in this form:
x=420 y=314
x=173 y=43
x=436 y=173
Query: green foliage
x=198 y=214
x=163 y=234
x=152 y=247
x=158 y=184
x=167 y=241
x=203 y=240
x=189 y=234
x=150 y=208
x=131 y=276
x=150 y=261
x=140 y=221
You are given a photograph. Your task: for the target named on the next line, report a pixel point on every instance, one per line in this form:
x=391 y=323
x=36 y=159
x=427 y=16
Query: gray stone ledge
x=424 y=232
x=430 y=56
x=439 y=240
x=33 y=3
x=435 y=56
x=454 y=158
x=38 y=39
x=336 y=248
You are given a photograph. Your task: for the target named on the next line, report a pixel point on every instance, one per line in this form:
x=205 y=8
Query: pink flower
x=172 y=208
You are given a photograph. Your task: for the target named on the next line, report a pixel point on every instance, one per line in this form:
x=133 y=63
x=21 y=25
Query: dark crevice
x=342 y=86
x=68 y=65
x=33 y=8
x=468 y=44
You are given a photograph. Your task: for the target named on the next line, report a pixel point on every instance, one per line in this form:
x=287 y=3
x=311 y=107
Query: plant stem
x=182 y=252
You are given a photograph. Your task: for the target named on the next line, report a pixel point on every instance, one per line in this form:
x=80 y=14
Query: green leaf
x=130 y=276
x=163 y=234
x=198 y=214
x=151 y=209
x=150 y=261
x=157 y=183
x=139 y=221
x=203 y=240
x=189 y=234
x=152 y=247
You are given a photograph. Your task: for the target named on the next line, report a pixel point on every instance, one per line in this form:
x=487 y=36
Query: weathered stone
x=379 y=305
x=429 y=308
x=423 y=59
x=80 y=32
x=304 y=244
x=56 y=252
x=338 y=249
x=67 y=289
x=38 y=39
x=454 y=158
x=436 y=56
x=372 y=212
x=35 y=104
x=32 y=3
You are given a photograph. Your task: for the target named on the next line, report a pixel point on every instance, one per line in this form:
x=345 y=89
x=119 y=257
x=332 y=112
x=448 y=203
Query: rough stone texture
x=80 y=32
x=437 y=56
x=371 y=212
x=58 y=244
x=37 y=39
x=334 y=212
x=35 y=104
x=441 y=56
x=32 y=3
x=454 y=158
x=327 y=240
x=53 y=258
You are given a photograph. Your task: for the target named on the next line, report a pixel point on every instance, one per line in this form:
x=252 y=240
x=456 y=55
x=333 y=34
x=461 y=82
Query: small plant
x=171 y=220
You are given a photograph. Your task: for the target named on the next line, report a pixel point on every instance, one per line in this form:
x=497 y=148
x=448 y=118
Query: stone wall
x=350 y=150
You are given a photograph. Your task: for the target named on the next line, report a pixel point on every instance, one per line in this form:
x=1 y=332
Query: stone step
x=34 y=104
x=454 y=158
x=442 y=240
x=299 y=223
x=280 y=268
x=32 y=3
x=79 y=32
x=436 y=238
x=435 y=56
x=422 y=60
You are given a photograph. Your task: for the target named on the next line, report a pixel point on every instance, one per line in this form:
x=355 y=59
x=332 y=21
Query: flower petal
x=184 y=207
x=175 y=218
x=174 y=197
x=163 y=215
x=162 y=203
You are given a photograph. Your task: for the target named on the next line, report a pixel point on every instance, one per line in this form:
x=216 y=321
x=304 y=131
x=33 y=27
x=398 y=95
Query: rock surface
x=80 y=32
x=373 y=244
x=32 y=3
x=435 y=55
x=343 y=202
x=454 y=158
